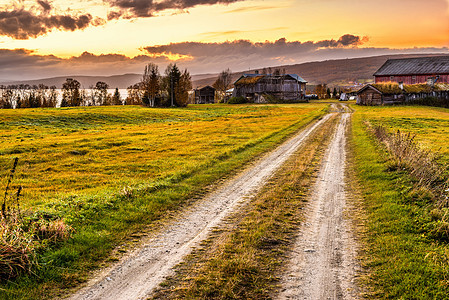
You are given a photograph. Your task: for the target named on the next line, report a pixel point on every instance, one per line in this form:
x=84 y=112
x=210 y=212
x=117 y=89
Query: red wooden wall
x=411 y=79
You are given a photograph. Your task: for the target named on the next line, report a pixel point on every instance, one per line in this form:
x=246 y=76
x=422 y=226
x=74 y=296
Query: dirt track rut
x=141 y=272
x=323 y=262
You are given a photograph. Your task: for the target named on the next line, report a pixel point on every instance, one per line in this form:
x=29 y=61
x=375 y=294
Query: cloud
x=244 y=48
x=17 y=62
x=253 y=8
x=198 y=58
x=148 y=8
x=24 y=23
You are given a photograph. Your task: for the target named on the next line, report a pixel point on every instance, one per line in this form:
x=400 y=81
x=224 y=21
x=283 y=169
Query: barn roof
x=415 y=66
x=254 y=78
x=297 y=78
x=249 y=79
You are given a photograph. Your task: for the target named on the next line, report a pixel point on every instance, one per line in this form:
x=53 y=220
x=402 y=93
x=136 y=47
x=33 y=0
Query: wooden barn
x=259 y=88
x=205 y=95
x=434 y=69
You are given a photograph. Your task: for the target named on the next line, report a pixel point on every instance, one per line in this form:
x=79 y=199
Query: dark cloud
x=243 y=48
x=46 y=6
x=21 y=23
x=147 y=8
x=197 y=57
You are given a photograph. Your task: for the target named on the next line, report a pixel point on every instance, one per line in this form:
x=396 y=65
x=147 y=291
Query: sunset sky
x=104 y=37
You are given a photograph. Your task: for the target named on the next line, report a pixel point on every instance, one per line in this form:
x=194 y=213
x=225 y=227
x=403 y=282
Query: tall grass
x=421 y=163
x=21 y=237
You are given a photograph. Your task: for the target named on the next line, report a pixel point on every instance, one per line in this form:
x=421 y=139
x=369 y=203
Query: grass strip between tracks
x=244 y=257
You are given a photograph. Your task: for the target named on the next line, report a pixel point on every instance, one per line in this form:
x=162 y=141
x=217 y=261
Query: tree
x=182 y=89
x=52 y=97
x=101 y=93
x=334 y=93
x=321 y=90
x=151 y=84
x=171 y=81
x=71 y=93
x=224 y=81
x=116 y=98
x=135 y=94
x=328 y=93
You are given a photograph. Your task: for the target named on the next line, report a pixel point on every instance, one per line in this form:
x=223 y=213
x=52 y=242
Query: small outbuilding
x=205 y=95
x=379 y=94
x=394 y=93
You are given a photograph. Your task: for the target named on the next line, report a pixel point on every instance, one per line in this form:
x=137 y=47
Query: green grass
x=429 y=124
x=405 y=259
x=111 y=171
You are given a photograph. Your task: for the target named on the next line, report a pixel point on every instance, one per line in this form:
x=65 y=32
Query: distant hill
x=332 y=72
x=119 y=81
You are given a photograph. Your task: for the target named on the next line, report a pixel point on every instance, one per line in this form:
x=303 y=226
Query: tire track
x=323 y=263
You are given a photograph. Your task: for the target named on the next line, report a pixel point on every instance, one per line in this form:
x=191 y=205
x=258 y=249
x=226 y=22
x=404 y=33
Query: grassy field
x=430 y=125
x=110 y=171
x=406 y=246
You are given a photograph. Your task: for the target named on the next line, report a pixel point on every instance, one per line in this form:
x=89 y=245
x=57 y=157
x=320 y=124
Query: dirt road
x=136 y=276
x=323 y=262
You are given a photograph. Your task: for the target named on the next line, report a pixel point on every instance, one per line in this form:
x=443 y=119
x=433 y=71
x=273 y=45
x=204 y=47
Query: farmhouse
x=414 y=70
x=394 y=93
x=259 y=88
x=204 y=95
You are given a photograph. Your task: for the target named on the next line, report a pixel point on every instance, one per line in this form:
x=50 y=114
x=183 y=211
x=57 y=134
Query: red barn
x=415 y=70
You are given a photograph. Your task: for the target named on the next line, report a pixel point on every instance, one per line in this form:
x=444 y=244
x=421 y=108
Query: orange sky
x=387 y=23
x=395 y=24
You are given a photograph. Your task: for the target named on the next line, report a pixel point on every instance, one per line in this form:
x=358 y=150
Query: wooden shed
x=434 y=69
x=380 y=94
x=205 y=95
x=258 y=87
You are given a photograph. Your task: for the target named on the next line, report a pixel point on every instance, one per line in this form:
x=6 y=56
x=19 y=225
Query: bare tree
x=150 y=84
x=101 y=93
x=71 y=93
x=116 y=98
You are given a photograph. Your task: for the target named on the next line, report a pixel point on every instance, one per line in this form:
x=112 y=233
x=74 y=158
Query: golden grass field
x=83 y=150
x=110 y=172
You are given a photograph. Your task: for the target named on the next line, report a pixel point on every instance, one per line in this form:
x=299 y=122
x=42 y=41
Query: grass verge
x=243 y=258
x=404 y=259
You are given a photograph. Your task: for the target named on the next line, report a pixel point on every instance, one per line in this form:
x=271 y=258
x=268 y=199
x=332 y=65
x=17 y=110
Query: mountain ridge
x=332 y=72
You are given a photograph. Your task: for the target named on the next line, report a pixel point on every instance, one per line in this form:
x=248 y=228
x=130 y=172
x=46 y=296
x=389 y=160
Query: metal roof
x=298 y=78
x=415 y=66
x=253 y=78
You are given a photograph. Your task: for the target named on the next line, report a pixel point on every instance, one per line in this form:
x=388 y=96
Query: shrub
x=421 y=164
x=237 y=100
x=430 y=101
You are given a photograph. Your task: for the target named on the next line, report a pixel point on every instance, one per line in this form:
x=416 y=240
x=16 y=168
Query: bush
x=430 y=101
x=237 y=100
